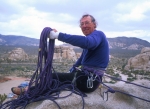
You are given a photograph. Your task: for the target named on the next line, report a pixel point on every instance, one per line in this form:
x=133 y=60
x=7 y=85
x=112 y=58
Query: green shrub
x=130 y=79
x=2 y=98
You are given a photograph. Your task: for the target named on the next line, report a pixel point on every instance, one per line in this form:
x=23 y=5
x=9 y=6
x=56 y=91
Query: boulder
x=17 y=54
x=145 y=49
x=65 y=52
x=140 y=61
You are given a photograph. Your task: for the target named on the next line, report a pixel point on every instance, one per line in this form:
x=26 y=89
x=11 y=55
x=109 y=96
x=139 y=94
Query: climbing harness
x=93 y=75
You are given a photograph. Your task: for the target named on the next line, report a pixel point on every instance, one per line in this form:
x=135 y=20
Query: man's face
x=87 y=26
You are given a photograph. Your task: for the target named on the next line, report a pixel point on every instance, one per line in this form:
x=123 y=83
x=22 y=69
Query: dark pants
x=80 y=81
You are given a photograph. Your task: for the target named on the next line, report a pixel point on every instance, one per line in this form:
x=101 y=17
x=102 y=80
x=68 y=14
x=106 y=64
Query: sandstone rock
x=95 y=101
x=145 y=49
x=64 y=52
x=135 y=47
x=140 y=61
x=57 y=56
x=78 y=55
x=17 y=54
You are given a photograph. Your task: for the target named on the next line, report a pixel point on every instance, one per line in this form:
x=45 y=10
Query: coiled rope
x=42 y=86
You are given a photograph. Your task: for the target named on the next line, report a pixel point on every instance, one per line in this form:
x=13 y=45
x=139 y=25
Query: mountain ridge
x=18 y=40
x=121 y=42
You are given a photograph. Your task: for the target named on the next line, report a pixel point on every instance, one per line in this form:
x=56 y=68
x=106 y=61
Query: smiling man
x=87 y=72
x=95 y=45
x=95 y=53
x=87 y=24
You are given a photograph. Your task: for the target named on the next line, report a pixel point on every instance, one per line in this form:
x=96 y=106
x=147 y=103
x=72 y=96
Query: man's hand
x=53 y=34
x=73 y=69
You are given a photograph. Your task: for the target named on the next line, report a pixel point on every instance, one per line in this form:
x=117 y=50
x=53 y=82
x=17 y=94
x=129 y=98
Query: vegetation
x=30 y=50
x=28 y=67
x=2 y=98
x=123 y=53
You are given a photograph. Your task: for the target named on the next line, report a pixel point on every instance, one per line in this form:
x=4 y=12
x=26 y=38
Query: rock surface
x=17 y=54
x=140 y=61
x=95 y=101
x=60 y=52
x=65 y=52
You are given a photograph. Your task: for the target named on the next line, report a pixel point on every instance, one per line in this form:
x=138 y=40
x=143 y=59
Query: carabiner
x=90 y=82
x=106 y=97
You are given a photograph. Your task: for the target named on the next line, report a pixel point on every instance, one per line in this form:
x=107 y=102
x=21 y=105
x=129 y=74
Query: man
x=95 y=55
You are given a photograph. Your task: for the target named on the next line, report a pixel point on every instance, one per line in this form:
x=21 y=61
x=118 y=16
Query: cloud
x=133 y=11
x=129 y=18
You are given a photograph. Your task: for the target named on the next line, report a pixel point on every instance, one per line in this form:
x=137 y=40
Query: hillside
x=18 y=40
x=118 y=43
x=131 y=43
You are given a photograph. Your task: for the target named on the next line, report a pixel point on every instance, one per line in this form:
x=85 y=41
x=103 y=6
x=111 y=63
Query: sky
x=130 y=18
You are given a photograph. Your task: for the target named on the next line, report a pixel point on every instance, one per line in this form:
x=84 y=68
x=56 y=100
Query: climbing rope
x=42 y=86
x=111 y=90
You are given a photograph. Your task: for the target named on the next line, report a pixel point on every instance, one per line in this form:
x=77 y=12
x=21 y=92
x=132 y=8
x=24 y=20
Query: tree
x=8 y=60
x=135 y=73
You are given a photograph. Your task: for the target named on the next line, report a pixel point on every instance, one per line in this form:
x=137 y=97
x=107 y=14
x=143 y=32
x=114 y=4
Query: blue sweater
x=95 y=48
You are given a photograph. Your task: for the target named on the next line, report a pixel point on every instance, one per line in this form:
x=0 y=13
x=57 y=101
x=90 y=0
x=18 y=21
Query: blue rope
x=118 y=79
x=45 y=87
x=113 y=91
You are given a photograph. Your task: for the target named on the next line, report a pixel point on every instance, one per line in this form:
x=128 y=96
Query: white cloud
x=32 y=22
x=134 y=11
x=116 y=18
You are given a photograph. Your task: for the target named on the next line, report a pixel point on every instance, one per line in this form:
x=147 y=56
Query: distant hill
x=18 y=40
x=130 y=43
x=123 y=47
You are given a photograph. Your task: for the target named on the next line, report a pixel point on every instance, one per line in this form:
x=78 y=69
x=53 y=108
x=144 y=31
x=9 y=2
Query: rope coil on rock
x=42 y=86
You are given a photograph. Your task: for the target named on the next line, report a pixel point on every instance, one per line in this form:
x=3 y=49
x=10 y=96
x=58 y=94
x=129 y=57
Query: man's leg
x=62 y=77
